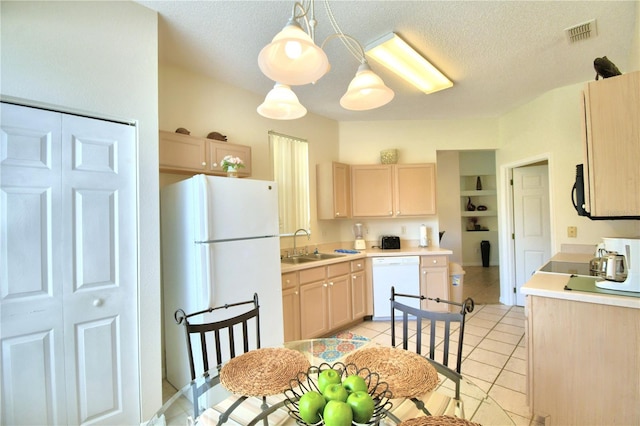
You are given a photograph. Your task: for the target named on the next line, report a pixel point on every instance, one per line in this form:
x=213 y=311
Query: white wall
x=98 y=58
x=202 y=105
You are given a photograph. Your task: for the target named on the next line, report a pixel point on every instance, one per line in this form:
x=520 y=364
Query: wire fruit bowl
x=308 y=381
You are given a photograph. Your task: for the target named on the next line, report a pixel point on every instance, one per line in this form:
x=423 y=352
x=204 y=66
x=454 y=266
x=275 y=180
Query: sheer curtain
x=291 y=171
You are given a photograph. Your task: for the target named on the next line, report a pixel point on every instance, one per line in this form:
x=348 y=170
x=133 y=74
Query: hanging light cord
x=348 y=41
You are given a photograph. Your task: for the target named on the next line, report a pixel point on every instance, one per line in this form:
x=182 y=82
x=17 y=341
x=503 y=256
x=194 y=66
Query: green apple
x=327 y=377
x=335 y=392
x=310 y=406
x=337 y=413
x=362 y=406
x=354 y=383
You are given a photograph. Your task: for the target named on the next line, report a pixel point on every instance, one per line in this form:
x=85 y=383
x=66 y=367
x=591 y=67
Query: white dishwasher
x=401 y=272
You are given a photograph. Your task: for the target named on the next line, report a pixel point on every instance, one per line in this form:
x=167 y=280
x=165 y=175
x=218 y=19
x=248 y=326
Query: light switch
x=572 y=231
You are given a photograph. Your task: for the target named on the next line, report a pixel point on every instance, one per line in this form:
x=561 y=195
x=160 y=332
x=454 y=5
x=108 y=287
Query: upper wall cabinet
x=188 y=154
x=333 y=190
x=611 y=113
x=393 y=190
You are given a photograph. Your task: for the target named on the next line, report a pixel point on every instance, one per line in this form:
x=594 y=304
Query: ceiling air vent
x=582 y=31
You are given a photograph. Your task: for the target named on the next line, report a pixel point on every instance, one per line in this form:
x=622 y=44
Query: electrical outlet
x=403 y=229
x=572 y=231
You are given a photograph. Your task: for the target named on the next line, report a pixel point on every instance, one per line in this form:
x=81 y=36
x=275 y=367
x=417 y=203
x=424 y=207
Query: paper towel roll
x=424 y=242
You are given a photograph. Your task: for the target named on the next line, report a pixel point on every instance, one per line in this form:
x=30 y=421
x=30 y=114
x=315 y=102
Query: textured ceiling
x=499 y=54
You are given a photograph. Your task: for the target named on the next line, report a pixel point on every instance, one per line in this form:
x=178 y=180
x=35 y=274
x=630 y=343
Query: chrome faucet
x=295 y=234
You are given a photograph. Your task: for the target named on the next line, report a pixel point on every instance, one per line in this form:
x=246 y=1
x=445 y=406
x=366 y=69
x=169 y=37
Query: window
x=290 y=160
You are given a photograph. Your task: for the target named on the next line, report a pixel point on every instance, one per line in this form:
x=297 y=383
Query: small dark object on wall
x=217 y=136
x=183 y=131
x=482 y=208
x=605 y=68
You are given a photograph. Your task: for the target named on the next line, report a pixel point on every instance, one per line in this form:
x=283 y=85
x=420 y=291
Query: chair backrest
x=443 y=322
x=222 y=334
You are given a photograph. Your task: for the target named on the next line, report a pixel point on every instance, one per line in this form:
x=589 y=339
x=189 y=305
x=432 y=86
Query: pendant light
x=281 y=104
x=366 y=91
x=293 y=58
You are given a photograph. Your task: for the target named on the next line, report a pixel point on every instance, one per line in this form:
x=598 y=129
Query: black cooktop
x=571 y=268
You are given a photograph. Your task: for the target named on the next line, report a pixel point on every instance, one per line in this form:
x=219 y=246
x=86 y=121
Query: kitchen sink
x=312 y=257
x=297 y=259
x=322 y=256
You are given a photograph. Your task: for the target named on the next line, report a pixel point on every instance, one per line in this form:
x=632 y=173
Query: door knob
x=98 y=302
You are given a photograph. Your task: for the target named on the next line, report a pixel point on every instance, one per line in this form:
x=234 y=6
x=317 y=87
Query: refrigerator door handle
x=205 y=277
x=201 y=201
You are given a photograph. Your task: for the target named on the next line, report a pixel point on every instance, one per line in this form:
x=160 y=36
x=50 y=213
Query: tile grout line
x=502 y=369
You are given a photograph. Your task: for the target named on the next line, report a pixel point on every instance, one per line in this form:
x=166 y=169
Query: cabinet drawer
x=338 y=269
x=428 y=261
x=357 y=265
x=289 y=280
x=311 y=275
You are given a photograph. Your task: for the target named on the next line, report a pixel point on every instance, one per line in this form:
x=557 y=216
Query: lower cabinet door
x=434 y=282
x=291 y=314
x=314 y=312
x=339 y=301
x=358 y=295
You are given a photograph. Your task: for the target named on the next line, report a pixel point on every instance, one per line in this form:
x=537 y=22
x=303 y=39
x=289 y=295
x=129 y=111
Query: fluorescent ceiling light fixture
x=395 y=54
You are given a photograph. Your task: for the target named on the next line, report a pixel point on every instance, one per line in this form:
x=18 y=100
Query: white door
x=531 y=222
x=69 y=262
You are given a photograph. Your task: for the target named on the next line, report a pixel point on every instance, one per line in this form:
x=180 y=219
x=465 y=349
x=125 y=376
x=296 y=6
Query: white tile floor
x=494 y=355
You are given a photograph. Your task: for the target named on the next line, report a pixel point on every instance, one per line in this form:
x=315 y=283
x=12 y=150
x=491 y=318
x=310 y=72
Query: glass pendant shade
x=366 y=91
x=281 y=104
x=293 y=58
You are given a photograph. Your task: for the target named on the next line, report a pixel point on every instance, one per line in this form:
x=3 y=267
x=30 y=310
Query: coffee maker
x=358 y=232
x=621 y=270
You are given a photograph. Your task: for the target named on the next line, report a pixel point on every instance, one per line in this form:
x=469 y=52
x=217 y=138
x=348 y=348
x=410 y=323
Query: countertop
x=372 y=252
x=548 y=284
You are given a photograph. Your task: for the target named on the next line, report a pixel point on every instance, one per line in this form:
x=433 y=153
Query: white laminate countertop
x=552 y=285
x=408 y=251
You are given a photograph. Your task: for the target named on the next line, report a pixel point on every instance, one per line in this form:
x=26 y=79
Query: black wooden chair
x=433 y=322
x=213 y=343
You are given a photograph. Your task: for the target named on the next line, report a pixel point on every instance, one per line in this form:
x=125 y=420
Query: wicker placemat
x=407 y=373
x=438 y=421
x=263 y=372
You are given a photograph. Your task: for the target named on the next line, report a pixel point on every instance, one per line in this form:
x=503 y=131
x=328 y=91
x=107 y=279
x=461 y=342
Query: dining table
x=233 y=399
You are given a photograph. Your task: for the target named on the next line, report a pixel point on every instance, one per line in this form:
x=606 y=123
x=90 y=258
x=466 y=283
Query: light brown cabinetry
x=583 y=362
x=358 y=289
x=611 y=114
x=333 y=182
x=291 y=306
x=317 y=301
x=325 y=299
x=186 y=154
x=393 y=190
x=434 y=281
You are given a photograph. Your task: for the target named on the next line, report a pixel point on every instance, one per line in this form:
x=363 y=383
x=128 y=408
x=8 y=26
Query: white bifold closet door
x=68 y=269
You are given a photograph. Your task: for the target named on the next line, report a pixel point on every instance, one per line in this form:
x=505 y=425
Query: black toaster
x=390 y=242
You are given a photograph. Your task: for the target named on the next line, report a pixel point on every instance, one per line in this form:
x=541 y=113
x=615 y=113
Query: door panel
x=100 y=280
x=69 y=259
x=531 y=222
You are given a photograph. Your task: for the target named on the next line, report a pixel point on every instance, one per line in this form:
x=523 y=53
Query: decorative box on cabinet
x=393 y=190
x=434 y=281
x=333 y=190
x=186 y=154
x=611 y=118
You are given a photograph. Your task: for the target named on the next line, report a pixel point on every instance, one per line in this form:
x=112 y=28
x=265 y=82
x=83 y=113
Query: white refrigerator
x=220 y=245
